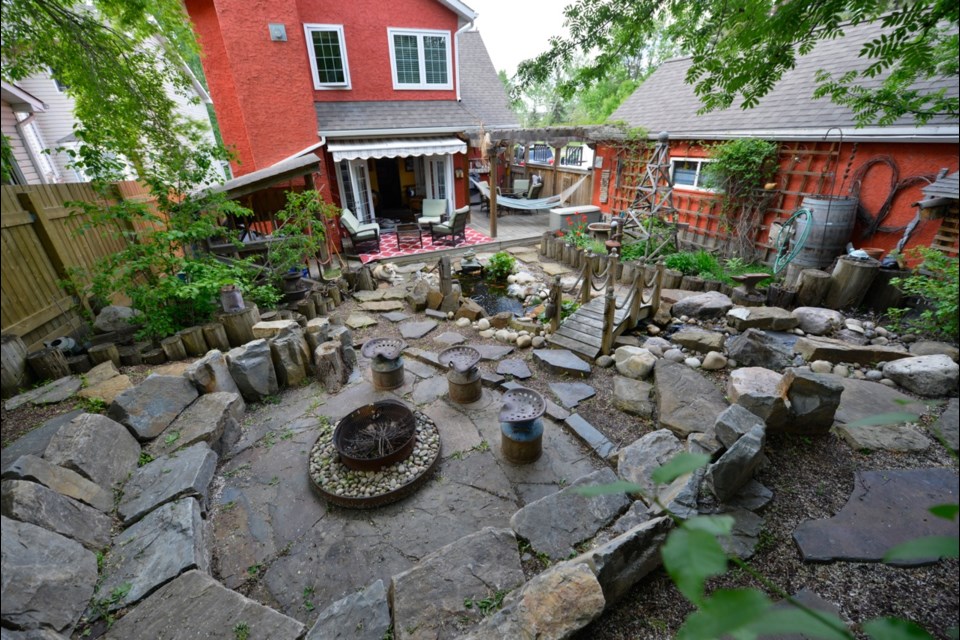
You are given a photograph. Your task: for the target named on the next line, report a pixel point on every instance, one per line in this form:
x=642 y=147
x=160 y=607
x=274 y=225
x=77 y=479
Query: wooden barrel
x=830 y=229
x=13 y=364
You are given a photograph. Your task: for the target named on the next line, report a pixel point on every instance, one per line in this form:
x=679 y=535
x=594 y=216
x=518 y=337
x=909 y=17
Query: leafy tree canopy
x=741 y=48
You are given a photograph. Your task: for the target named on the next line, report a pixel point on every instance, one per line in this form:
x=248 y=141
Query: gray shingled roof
x=337 y=118
x=481 y=91
x=945 y=187
x=666 y=103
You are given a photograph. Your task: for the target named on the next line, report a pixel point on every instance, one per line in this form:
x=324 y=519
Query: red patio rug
x=389 y=248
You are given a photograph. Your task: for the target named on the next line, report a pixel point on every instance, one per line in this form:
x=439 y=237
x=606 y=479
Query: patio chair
x=534 y=191
x=433 y=211
x=359 y=233
x=456 y=226
x=520 y=189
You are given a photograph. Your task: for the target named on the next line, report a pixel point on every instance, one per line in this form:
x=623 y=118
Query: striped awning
x=395 y=147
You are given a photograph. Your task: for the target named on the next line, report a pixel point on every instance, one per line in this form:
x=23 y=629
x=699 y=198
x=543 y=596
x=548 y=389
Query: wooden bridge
x=591 y=330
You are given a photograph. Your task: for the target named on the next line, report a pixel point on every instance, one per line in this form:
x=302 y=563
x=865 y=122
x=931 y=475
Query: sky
x=515 y=30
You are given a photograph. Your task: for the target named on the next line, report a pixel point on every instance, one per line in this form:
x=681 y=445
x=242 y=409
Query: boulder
x=81 y=444
x=214 y=419
x=686 y=401
x=711 y=304
x=364 y=615
x=814 y=399
x=757 y=390
x=638 y=365
x=931 y=348
x=251 y=367
x=108 y=390
x=818 y=321
x=291 y=357
x=947 y=428
x=64 y=481
x=764 y=318
x=47 y=579
x=35 y=442
x=713 y=361
x=152 y=405
x=637 y=461
x=168 y=478
x=31 y=502
x=837 y=351
x=735 y=421
x=754 y=348
x=116 y=318
x=699 y=339
x=633 y=396
x=211 y=374
x=928 y=376
x=735 y=468
x=470 y=310
x=705 y=444
x=272 y=328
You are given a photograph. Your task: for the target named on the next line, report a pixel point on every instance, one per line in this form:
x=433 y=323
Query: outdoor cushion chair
x=433 y=211
x=359 y=233
x=520 y=189
x=534 y=191
x=456 y=226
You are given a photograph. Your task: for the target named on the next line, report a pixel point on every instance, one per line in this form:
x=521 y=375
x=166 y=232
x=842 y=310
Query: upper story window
x=328 y=56
x=420 y=59
x=689 y=172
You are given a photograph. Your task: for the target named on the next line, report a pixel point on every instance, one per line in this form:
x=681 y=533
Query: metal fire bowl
x=460 y=359
x=386 y=348
x=361 y=417
x=522 y=405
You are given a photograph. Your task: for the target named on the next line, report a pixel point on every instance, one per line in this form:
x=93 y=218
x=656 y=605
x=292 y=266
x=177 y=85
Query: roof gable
x=481 y=91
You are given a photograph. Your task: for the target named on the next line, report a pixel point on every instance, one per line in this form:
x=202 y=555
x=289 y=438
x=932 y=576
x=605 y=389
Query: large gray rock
x=214 y=419
x=634 y=362
x=186 y=473
x=928 y=376
x=155 y=550
x=417 y=330
x=864 y=399
x=364 y=615
x=251 y=367
x=35 y=442
x=150 y=407
x=711 y=304
x=681 y=497
x=885 y=437
x=291 y=357
x=197 y=606
x=636 y=462
x=33 y=634
x=814 y=399
x=758 y=390
x=743 y=538
x=769 y=318
x=47 y=578
x=699 y=340
x=51 y=393
x=836 y=351
x=932 y=348
x=734 y=422
x=556 y=523
x=31 y=502
x=554 y=605
x=633 y=396
x=211 y=374
x=686 y=401
x=818 y=321
x=64 y=481
x=428 y=599
x=947 y=427
x=116 y=318
x=754 y=348
x=97 y=448
x=735 y=468
x=561 y=362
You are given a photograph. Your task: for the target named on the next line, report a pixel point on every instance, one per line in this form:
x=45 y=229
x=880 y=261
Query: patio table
x=408 y=232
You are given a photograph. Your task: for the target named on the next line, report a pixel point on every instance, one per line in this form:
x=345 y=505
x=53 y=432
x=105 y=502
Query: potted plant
x=300 y=235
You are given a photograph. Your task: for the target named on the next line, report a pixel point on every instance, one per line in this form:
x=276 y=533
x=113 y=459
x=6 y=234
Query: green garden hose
x=787 y=246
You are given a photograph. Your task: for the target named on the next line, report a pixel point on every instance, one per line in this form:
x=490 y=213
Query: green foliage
x=694 y=263
x=740 y=167
x=301 y=233
x=145 y=458
x=241 y=631
x=487 y=605
x=500 y=266
x=937 y=283
x=92 y=405
x=576 y=232
x=740 y=52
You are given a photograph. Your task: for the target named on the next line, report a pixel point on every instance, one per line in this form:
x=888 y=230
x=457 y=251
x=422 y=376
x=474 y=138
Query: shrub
x=500 y=266
x=937 y=283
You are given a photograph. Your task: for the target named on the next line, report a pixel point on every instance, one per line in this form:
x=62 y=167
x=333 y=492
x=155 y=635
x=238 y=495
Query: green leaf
x=790 y=620
x=690 y=557
x=677 y=466
x=894 y=629
x=926 y=547
x=714 y=525
x=620 y=486
x=946 y=511
x=895 y=417
x=725 y=611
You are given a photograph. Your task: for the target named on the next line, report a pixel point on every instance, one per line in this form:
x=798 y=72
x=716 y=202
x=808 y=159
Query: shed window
x=689 y=172
x=328 y=56
x=420 y=59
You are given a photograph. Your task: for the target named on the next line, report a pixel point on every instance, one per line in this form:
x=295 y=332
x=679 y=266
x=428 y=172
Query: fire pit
x=463 y=376
x=521 y=428
x=385 y=361
x=376 y=455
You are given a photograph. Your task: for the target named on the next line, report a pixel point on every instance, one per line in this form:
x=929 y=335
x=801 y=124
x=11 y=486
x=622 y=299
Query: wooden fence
x=556 y=179
x=41 y=244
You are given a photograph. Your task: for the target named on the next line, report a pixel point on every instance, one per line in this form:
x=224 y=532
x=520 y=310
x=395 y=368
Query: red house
x=822 y=154
x=385 y=95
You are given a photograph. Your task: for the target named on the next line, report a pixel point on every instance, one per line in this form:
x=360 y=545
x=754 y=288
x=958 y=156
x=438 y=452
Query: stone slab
x=382 y=306
x=562 y=362
x=885 y=509
x=152 y=405
x=197 y=606
x=592 y=437
x=686 y=401
x=417 y=330
x=449 y=338
x=863 y=398
x=947 y=426
x=109 y=389
x=836 y=351
x=516 y=368
x=187 y=472
x=63 y=481
x=775 y=318
x=35 y=442
x=492 y=352
x=214 y=419
x=359 y=321
x=51 y=393
x=364 y=615
x=887 y=437
x=396 y=316
x=554 y=269
x=34 y=503
x=80 y=446
x=571 y=394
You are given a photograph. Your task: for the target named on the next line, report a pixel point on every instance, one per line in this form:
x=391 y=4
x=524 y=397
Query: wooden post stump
x=216 y=337
x=173 y=348
x=691 y=283
x=103 y=352
x=238 y=325
x=193 y=341
x=130 y=356
x=154 y=356
x=672 y=279
x=48 y=364
x=333 y=291
x=307 y=309
x=849 y=282
x=812 y=287
x=79 y=364
x=329 y=365
x=778 y=296
x=711 y=285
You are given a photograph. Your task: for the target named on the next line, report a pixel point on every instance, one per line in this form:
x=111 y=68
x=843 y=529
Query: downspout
x=456 y=52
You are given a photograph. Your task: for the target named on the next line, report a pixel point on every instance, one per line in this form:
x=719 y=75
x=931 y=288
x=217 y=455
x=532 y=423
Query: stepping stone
x=56 y=391
x=491 y=380
x=430 y=597
x=948 y=426
x=64 y=481
x=428 y=357
x=359 y=321
x=686 y=401
x=449 y=338
x=214 y=419
x=837 y=351
x=633 y=396
x=416 y=330
x=34 y=442
x=571 y=394
x=437 y=315
x=562 y=362
x=492 y=351
x=155 y=550
x=34 y=503
x=108 y=390
x=80 y=446
x=527 y=256
x=48 y=579
x=418 y=368
x=775 y=318
x=516 y=368
x=368 y=296
x=554 y=269
x=888 y=437
x=396 y=316
x=381 y=306
x=413 y=267
x=186 y=473
x=556 y=523
x=364 y=615
x=197 y=606
x=636 y=462
x=589 y=434
x=394 y=293
x=152 y=405
x=863 y=399
x=885 y=509
x=429 y=389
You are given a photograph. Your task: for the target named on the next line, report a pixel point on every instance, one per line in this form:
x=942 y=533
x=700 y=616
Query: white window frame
x=426 y=169
x=423 y=84
x=308 y=29
x=365 y=198
x=698 y=177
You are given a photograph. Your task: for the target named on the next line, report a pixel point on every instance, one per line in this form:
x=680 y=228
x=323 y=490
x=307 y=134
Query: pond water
x=493 y=298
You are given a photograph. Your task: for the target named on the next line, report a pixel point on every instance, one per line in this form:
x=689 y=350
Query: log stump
x=238 y=325
x=154 y=356
x=173 y=348
x=103 y=352
x=778 y=296
x=331 y=370
x=849 y=282
x=812 y=288
x=48 y=364
x=193 y=341
x=307 y=309
x=691 y=283
x=79 y=364
x=216 y=337
x=672 y=279
x=130 y=356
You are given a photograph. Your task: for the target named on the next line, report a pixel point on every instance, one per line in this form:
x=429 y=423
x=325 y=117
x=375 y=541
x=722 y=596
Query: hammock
x=529 y=205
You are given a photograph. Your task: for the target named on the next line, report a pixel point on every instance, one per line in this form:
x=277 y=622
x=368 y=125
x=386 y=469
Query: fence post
x=609 y=312
x=657 y=285
x=556 y=297
x=587 y=275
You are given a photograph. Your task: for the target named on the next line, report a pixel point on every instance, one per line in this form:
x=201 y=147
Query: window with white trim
x=420 y=59
x=355 y=194
x=328 y=56
x=689 y=172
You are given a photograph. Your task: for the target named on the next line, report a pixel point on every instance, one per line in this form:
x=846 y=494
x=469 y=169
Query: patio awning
x=395 y=147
